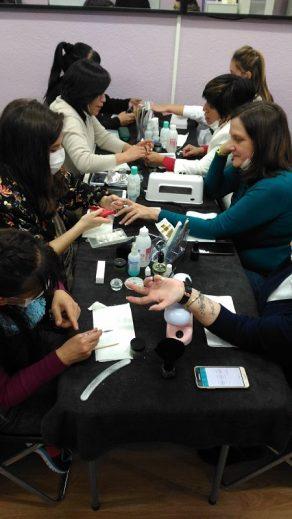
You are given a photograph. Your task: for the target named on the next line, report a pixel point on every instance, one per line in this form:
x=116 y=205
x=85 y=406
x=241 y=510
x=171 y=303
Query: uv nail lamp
x=175 y=187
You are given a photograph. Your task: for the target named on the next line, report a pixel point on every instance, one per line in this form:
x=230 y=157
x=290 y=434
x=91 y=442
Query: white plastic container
x=134 y=261
x=143 y=244
x=172 y=139
x=134 y=184
x=164 y=134
x=149 y=132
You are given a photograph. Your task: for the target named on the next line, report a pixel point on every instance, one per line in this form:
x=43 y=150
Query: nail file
x=102 y=376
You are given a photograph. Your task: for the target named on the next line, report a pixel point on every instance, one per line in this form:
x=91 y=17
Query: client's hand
x=134 y=102
x=65 y=310
x=159 y=108
x=91 y=220
x=113 y=202
x=159 y=290
x=132 y=211
x=191 y=151
x=126 y=118
x=79 y=347
x=154 y=158
x=147 y=144
x=132 y=153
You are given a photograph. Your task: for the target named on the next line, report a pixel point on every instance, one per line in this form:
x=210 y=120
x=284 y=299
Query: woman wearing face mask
x=35 y=193
x=114 y=112
x=32 y=353
x=259 y=219
x=223 y=94
x=82 y=97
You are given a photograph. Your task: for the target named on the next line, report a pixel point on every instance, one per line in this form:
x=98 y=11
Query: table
x=137 y=404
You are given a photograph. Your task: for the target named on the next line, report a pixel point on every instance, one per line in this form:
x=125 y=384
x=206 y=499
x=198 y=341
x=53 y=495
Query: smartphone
x=97 y=179
x=221 y=377
x=218 y=248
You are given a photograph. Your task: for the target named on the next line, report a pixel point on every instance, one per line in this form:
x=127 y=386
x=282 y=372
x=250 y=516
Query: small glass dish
x=116 y=284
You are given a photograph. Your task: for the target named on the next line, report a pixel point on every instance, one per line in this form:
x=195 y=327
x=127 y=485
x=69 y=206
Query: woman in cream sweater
x=82 y=97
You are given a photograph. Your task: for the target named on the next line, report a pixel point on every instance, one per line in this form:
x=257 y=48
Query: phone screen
x=219 y=377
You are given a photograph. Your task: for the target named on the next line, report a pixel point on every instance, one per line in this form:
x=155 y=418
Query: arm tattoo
x=202 y=304
x=212 y=308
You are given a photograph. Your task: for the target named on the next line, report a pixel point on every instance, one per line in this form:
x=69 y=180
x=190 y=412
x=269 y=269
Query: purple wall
x=207 y=46
x=138 y=51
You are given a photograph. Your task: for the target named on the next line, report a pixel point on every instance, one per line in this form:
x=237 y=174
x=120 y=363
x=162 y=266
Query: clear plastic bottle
x=134 y=261
x=164 y=134
x=149 y=132
x=134 y=182
x=143 y=244
x=172 y=139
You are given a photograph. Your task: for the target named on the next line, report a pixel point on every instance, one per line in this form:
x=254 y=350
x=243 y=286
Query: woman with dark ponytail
x=65 y=55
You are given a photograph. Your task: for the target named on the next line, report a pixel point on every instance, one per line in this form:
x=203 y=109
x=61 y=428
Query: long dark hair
x=267 y=126
x=26 y=263
x=82 y=83
x=65 y=55
x=228 y=91
x=251 y=60
x=27 y=130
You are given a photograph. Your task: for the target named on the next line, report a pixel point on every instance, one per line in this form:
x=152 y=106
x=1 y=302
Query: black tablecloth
x=137 y=404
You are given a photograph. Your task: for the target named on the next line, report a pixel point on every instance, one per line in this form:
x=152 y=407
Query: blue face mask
x=29 y=300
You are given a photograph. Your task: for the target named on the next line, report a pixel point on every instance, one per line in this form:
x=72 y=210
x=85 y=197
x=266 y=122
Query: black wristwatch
x=188 y=291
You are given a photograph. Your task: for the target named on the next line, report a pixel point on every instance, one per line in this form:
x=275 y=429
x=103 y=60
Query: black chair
x=18 y=454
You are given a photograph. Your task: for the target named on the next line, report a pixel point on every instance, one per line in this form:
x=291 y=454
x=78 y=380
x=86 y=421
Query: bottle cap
x=144 y=231
x=120 y=263
x=134 y=170
x=165 y=124
x=160 y=257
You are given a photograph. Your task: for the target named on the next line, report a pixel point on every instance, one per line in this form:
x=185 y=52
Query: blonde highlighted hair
x=249 y=59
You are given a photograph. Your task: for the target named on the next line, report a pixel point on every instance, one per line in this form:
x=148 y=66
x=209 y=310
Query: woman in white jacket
x=82 y=97
x=223 y=94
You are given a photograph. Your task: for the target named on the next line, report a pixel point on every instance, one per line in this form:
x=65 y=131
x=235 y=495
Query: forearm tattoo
x=202 y=304
x=206 y=306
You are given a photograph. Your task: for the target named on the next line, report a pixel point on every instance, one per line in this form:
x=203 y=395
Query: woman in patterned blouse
x=36 y=193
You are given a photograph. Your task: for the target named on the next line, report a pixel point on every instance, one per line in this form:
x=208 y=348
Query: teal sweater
x=259 y=219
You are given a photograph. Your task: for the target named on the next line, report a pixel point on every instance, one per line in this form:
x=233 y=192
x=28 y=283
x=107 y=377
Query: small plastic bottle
x=168 y=270
x=159 y=267
x=143 y=243
x=147 y=272
x=134 y=261
x=149 y=132
x=172 y=139
x=134 y=182
x=164 y=134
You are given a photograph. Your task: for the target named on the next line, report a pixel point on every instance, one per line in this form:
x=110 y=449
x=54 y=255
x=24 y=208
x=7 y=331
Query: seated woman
x=259 y=219
x=246 y=62
x=36 y=193
x=113 y=113
x=223 y=94
x=269 y=335
x=249 y=63
x=32 y=353
x=82 y=97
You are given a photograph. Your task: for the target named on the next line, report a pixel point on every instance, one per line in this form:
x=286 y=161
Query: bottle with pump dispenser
x=172 y=139
x=143 y=243
x=134 y=182
x=134 y=261
x=164 y=134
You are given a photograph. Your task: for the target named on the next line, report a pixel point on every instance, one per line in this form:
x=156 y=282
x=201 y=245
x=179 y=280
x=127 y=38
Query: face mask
x=57 y=159
x=29 y=300
x=214 y=125
x=245 y=165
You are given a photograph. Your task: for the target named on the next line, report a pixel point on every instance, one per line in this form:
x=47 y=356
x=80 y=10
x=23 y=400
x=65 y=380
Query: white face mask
x=214 y=125
x=57 y=159
x=246 y=164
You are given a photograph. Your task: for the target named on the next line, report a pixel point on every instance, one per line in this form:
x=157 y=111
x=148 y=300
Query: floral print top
x=17 y=211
